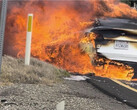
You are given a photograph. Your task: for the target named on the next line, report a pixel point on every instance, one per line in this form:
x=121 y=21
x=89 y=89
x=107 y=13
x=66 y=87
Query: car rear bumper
x=120 y=57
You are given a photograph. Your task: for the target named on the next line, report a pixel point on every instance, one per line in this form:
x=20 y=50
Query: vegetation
x=126 y=1
x=38 y=72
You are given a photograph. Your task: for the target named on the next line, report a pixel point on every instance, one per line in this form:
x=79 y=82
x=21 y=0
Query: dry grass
x=38 y=72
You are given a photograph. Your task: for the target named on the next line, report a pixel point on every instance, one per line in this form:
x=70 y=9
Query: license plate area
x=122 y=45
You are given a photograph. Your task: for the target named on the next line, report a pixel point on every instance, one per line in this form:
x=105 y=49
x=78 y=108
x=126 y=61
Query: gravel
x=77 y=96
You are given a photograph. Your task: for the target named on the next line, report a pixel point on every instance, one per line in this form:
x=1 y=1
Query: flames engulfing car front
x=115 y=42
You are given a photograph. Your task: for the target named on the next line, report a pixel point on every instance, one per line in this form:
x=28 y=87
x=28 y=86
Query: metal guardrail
x=2 y=28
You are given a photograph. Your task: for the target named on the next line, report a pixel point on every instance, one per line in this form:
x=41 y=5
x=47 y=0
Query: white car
x=117 y=40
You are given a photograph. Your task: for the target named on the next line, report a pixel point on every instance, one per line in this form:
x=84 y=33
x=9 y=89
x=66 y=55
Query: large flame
x=102 y=66
x=57 y=29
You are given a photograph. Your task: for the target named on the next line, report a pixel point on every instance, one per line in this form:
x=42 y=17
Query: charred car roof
x=118 y=23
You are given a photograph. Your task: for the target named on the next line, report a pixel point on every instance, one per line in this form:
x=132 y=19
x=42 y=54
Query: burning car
x=114 y=43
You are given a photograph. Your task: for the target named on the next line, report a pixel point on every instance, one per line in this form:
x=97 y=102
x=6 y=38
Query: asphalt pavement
x=124 y=91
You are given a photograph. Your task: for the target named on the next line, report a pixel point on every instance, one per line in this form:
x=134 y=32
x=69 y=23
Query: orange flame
x=103 y=66
x=57 y=29
x=113 y=69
